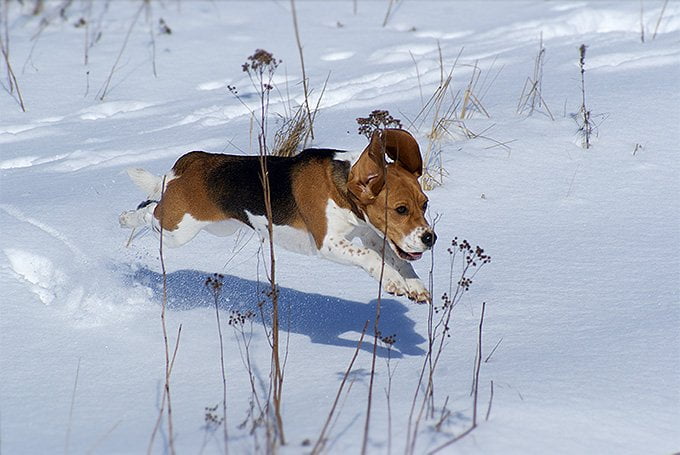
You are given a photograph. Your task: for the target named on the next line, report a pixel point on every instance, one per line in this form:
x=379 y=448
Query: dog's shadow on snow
x=324 y=319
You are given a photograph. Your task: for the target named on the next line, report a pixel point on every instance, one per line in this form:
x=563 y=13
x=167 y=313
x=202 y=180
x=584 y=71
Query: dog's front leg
x=416 y=290
x=340 y=249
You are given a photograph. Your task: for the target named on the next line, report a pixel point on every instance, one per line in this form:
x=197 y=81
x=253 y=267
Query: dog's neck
x=340 y=176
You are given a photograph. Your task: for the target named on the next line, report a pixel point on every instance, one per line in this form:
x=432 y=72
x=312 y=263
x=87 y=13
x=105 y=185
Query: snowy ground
x=584 y=284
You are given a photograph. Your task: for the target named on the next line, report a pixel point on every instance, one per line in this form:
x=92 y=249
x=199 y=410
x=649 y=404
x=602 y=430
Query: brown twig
x=658 y=22
x=70 y=412
x=321 y=440
x=376 y=331
x=169 y=361
x=302 y=64
x=476 y=387
x=389 y=11
x=493 y=350
x=101 y=94
x=13 y=83
x=215 y=285
x=477 y=367
x=587 y=126
x=488 y=409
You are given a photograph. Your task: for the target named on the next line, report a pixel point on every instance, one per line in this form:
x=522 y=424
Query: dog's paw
x=395 y=287
x=126 y=219
x=412 y=288
x=417 y=291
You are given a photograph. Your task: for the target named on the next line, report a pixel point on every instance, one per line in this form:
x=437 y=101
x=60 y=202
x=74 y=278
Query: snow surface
x=583 y=288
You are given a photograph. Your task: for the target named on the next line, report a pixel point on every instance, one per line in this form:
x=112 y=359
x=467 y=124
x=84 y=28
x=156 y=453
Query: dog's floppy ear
x=404 y=150
x=367 y=176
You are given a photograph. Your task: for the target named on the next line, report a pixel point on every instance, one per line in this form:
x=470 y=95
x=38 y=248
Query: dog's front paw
x=417 y=291
x=395 y=287
x=412 y=288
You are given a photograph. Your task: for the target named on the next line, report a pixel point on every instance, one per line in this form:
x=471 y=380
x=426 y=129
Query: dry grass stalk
x=475 y=387
x=4 y=48
x=471 y=261
x=70 y=412
x=488 y=357
x=389 y=11
x=302 y=64
x=292 y=132
x=214 y=284
x=420 y=85
x=531 y=98
x=102 y=438
x=389 y=341
x=642 y=21
x=321 y=440
x=103 y=91
x=586 y=126
x=169 y=360
x=471 y=102
x=376 y=330
x=658 y=22
x=260 y=68
x=478 y=365
x=447 y=111
x=488 y=409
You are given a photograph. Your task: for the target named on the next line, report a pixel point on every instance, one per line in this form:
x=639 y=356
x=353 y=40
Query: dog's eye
x=402 y=210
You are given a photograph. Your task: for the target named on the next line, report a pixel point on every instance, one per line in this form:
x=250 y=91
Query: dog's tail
x=149 y=183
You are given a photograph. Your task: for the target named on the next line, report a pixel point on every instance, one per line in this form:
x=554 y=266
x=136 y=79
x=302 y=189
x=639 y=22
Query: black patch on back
x=235 y=185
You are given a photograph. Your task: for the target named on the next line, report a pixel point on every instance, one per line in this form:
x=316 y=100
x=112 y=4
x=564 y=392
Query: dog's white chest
x=287 y=237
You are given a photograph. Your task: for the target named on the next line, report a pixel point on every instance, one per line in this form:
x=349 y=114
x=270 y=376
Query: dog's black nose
x=429 y=238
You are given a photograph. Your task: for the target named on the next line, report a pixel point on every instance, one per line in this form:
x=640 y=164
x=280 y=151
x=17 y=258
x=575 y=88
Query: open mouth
x=404 y=255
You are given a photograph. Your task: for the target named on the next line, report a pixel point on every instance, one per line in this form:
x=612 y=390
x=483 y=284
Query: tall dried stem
x=169 y=360
x=321 y=440
x=305 y=85
x=376 y=330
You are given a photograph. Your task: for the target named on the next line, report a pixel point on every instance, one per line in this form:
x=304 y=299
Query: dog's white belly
x=224 y=228
x=287 y=237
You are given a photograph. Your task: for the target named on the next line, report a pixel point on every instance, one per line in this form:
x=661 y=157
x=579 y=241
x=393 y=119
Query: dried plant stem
x=388 y=398
x=102 y=438
x=587 y=126
x=4 y=48
x=658 y=22
x=224 y=374
x=376 y=322
x=321 y=440
x=478 y=361
x=169 y=361
x=305 y=85
x=452 y=441
x=531 y=97
x=478 y=365
x=420 y=85
x=493 y=350
x=86 y=50
x=70 y=412
x=642 y=21
x=488 y=409
x=389 y=11
x=276 y=374
x=472 y=259
x=101 y=94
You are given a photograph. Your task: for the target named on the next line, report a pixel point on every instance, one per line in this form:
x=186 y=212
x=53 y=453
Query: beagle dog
x=319 y=204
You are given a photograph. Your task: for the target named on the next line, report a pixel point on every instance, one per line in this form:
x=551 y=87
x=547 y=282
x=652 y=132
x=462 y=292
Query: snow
x=583 y=288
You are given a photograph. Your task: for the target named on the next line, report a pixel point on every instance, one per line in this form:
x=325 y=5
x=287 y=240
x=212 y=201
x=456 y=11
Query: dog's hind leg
x=140 y=217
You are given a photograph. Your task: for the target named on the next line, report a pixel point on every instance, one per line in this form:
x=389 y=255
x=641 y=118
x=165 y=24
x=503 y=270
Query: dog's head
x=389 y=193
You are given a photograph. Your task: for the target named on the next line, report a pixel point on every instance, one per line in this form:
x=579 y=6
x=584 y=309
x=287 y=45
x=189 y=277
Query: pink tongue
x=415 y=255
